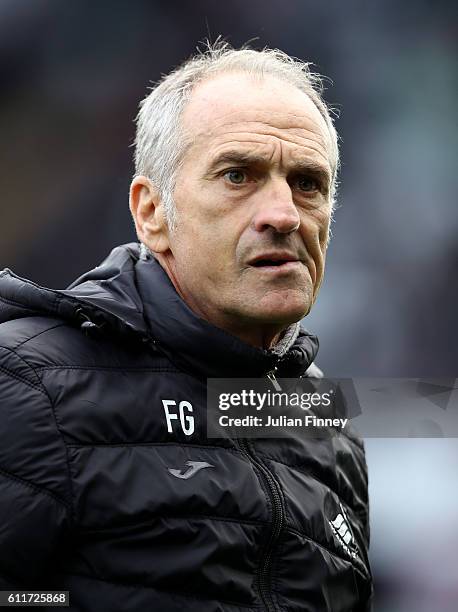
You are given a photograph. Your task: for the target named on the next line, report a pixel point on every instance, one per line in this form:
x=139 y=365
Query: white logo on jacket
x=186 y=421
x=341 y=529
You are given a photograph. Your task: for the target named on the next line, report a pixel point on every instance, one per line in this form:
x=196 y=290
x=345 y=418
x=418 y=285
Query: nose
x=276 y=209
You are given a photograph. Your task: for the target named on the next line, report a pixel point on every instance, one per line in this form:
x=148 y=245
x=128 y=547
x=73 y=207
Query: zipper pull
x=271 y=376
x=88 y=327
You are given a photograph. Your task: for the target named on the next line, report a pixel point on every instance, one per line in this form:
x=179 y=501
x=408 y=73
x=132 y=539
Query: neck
x=263 y=337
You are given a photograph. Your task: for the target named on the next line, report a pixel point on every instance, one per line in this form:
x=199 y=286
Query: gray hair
x=160 y=144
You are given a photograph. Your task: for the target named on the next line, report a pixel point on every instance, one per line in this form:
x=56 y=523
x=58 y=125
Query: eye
x=307 y=183
x=236 y=177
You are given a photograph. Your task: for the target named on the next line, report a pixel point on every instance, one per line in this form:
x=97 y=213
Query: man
x=106 y=490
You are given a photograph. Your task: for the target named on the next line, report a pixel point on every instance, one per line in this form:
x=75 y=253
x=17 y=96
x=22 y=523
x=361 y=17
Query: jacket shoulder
x=47 y=342
x=17 y=333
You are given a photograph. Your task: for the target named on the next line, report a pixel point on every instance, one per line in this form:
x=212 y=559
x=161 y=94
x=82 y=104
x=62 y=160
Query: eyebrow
x=239 y=158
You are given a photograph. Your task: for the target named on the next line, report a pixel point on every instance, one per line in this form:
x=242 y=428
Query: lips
x=272 y=259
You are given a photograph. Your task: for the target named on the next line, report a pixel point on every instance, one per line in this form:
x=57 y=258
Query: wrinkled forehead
x=229 y=105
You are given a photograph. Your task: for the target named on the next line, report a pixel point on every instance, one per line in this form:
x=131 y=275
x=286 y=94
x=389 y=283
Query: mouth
x=275 y=262
x=262 y=263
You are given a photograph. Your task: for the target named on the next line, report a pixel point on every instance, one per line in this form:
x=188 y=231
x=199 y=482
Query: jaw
x=282 y=306
x=261 y=320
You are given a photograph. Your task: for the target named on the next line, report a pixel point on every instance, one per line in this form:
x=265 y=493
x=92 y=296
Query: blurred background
x=71 y=77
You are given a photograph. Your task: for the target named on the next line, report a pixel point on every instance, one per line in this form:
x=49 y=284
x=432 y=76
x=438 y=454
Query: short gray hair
x=160 y=144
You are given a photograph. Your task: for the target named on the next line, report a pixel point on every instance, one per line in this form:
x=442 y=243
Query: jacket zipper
x=271 y=376
x=278 y=519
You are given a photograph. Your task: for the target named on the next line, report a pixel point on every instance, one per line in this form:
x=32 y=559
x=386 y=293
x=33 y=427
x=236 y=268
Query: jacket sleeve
x=35 y=498
x=368 y=601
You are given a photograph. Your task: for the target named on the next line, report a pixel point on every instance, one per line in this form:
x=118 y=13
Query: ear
x=148 y=214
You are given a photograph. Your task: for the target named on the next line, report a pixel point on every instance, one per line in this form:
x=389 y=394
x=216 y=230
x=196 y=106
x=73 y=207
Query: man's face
x=253 y=203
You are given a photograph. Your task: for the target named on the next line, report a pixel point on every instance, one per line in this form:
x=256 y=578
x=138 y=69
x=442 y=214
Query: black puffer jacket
x=88 y=499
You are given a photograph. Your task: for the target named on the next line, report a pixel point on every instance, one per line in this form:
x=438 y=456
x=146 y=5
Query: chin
x=283 y=311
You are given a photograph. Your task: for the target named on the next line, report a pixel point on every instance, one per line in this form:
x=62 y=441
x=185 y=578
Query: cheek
x=210 y=229
x=324 y=231
x=202 y=254
x=316 y=229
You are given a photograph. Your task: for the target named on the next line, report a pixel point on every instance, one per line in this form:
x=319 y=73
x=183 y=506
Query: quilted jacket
x=92 y=495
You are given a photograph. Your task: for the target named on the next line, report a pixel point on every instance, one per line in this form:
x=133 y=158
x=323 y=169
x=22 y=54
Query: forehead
x=255 y=112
